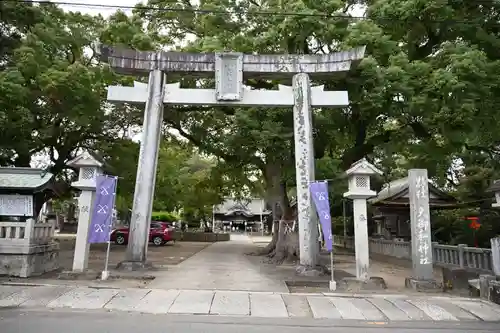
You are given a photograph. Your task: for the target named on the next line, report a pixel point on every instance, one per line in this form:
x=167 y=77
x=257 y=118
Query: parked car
x=160 y=233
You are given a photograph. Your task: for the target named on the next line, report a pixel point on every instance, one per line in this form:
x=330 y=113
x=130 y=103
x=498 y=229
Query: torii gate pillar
x=146 y=174
x=304 y=170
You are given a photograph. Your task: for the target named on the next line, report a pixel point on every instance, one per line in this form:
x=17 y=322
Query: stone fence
x=27 y=233
x=478 y=260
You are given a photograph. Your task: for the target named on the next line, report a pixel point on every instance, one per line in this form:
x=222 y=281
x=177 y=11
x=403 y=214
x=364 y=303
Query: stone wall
x=29 y=261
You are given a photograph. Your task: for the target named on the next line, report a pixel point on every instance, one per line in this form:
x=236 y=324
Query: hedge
x=164 y=217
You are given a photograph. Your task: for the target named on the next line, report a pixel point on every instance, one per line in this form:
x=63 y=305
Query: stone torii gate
x=230 y=70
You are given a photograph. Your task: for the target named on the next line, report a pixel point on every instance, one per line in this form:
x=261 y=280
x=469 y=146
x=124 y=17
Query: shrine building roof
x=495 y=187
x=397 y=193
x=24 y=179
x=248 y=207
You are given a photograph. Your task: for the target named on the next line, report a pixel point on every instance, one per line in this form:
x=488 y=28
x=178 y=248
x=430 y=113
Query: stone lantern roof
x=363 y=167
x=86 y=159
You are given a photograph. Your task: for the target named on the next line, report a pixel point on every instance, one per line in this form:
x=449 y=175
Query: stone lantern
x=359 y=191
x=495 y=242
x=88 y=170
x=495 y=188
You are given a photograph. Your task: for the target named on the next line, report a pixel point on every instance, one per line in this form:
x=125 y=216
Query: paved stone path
x=253 y=304
x=221 y=266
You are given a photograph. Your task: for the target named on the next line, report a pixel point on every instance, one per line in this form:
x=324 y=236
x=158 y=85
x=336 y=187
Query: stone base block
x=485 y=281
x=28 y=260
x=474 y=288
x=457 y=279
x=495 y=292
x=353 y=284
x=423 y=285
x=74 y=275
x=312 y=271
x=132 y=266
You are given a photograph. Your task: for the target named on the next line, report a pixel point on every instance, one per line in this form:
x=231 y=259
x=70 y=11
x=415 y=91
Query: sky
x=98 y=10
x=357 y=10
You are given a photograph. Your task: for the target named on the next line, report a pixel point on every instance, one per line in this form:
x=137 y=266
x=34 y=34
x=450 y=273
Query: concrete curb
x=342 y=295
x=401 y=296
x=29 y=284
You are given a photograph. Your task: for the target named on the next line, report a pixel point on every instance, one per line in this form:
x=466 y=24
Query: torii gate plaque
x=230 y=69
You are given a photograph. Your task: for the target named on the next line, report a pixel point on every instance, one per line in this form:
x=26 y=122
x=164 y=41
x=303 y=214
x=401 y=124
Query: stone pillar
x=52 y=220
x=495 y=255
x=421 y=236
x=85 y=204
x=304 y=165
x=146 y=173
x=361 y=239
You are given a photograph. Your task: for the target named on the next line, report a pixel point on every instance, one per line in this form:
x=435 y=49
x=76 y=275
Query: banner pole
x=105 y=273
x=333 y=283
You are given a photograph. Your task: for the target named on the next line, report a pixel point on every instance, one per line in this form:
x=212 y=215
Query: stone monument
x=88 y=170
x=421 y=235
x=27 y=247
x=229 y=70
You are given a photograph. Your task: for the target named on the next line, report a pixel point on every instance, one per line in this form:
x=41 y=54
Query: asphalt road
x=16 y=320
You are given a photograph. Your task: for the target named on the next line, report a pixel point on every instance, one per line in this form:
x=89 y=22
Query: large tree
x=52 y=85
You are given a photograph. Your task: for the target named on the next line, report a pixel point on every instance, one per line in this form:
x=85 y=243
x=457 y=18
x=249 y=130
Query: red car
x=159 y=234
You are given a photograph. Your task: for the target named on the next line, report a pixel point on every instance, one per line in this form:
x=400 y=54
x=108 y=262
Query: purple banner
x=102 y=212
x=319 y=192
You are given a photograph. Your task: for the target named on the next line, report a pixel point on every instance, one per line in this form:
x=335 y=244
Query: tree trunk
x=272 y=178
x=286 y=248
x=69 y=222
x=275 y=227
x=287 y=245
x=284 y=245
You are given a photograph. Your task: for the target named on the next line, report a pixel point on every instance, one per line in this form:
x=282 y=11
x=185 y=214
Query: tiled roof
x=399 y=188
x=393 y=188
x=24 y=178
x=495 y=187
x=250 y=206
